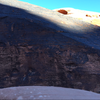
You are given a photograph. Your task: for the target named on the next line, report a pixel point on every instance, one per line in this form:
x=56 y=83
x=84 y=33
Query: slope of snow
x=45 y=92
x=78 y=13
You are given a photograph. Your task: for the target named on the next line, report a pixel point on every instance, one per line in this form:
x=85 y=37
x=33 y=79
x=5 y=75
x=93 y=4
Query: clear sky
x=89 y=5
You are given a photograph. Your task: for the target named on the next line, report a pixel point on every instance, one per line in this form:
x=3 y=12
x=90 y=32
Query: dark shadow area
x=34 y=50
x=87 y=35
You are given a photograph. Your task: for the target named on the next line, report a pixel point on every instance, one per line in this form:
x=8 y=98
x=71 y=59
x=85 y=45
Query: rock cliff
x=41 y=47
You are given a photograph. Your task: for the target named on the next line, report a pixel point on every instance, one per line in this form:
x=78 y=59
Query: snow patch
x=45 y=96
x=31 y=96
x=20 y=97
x=31 y=92
x=39 y=92
x=46 y=92
x=40 y=96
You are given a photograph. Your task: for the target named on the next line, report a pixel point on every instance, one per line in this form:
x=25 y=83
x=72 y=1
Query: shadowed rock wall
x=34 y=51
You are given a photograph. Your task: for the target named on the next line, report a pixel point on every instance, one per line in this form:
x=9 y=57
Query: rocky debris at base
x=46 y=93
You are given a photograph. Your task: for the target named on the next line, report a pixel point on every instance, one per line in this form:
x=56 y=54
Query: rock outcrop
x=41 y=47
x=63 y=11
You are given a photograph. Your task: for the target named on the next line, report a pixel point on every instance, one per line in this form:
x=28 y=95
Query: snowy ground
x=46 y=92
x=76 y=13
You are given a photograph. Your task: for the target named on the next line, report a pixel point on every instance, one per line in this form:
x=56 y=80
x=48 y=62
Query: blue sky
x=89 y=5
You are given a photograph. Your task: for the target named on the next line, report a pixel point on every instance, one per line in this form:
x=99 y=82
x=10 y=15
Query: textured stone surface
x=41 y=47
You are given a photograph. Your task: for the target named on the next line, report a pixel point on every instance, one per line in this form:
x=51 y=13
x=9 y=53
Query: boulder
x=40 y=47
x=88 y=15
x=63 y=11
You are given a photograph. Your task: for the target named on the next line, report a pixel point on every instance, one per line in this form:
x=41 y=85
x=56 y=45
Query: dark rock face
x=40 y=47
